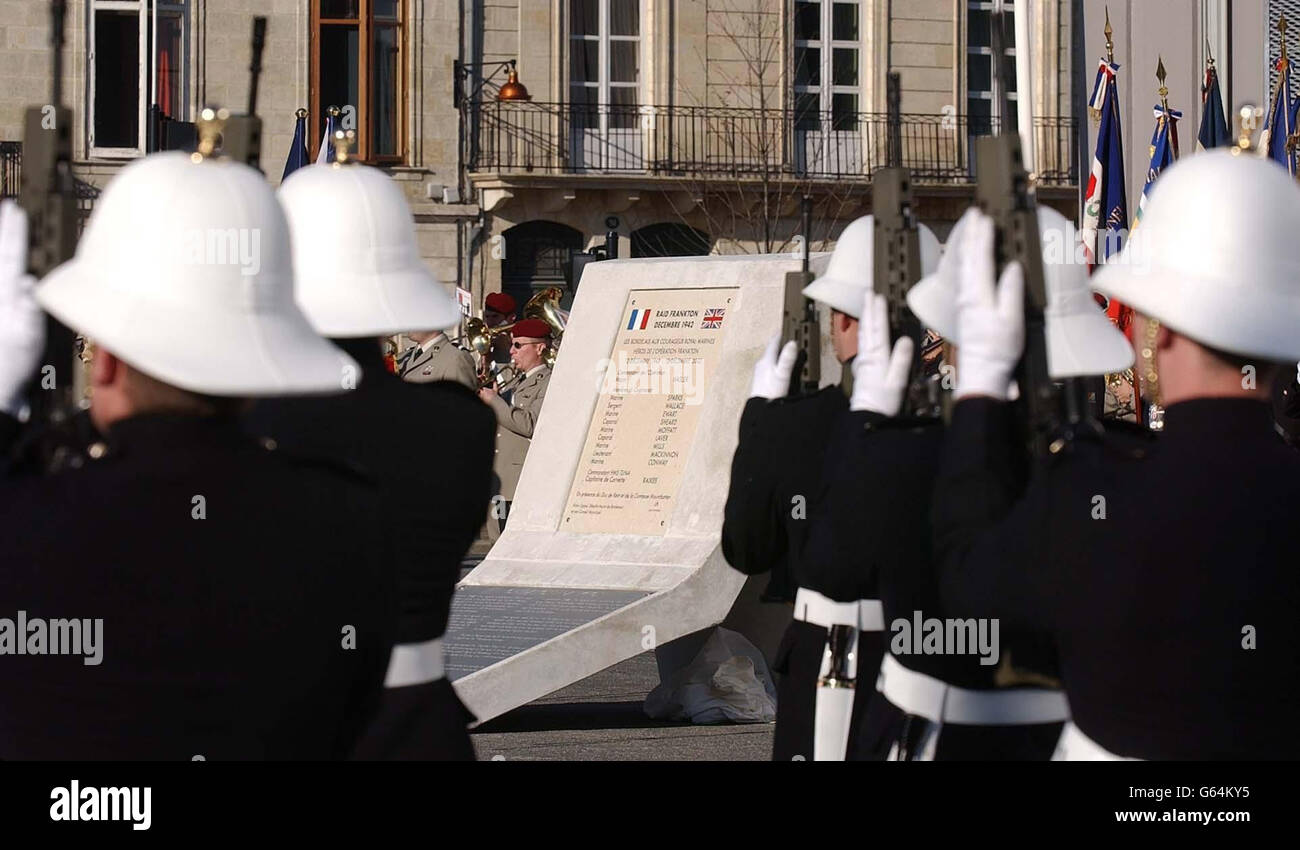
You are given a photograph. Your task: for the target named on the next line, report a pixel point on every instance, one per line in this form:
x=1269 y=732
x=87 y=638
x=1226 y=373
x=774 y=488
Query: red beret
x=499 y=301
x=534 y=328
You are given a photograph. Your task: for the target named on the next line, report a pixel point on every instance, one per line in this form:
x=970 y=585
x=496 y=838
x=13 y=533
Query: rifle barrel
x=255 y=64
x=58 y=13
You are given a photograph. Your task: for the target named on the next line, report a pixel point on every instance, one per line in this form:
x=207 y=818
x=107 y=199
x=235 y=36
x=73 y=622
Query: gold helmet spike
x=209 y=127
x=1248 y=123
x=343 y=142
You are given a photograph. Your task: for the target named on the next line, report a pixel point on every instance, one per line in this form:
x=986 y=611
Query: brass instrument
x=479 y=338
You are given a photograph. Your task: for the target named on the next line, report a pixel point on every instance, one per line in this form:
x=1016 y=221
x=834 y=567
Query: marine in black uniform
x=259 y=628
x=181 y=591
x=775 y=474
x=429 y=445
x=1165 y=573
x=871 y=538
x=777 y=477
x=432 y=521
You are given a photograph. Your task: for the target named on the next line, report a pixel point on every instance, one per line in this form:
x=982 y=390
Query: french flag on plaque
x=639 y=320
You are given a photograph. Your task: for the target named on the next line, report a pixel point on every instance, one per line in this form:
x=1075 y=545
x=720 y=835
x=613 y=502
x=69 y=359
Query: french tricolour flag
x=638 y=320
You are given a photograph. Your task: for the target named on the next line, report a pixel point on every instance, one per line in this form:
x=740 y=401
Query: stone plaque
x=668 y=345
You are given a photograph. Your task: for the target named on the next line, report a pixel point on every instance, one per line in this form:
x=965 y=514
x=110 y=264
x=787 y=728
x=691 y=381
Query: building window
x=827 y=66
x=983 y=86
x=357 y=64
x=605 y=62
x=128 y=68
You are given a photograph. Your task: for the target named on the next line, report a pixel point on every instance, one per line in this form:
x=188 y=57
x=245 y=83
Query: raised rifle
x=1002 y=192
x=241 y=138
x=896 y=255
x=799 y=319
x=49 y=197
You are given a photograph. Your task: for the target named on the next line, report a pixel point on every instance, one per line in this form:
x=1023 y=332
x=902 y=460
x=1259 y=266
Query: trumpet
x=479 y=338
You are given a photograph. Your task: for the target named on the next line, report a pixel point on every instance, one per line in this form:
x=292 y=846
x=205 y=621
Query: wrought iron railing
x=708 y=142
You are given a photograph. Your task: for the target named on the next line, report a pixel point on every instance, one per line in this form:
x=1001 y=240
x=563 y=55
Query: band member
x=499 y=309
x=776 y=476
x=1165 y=573
x=516 y=419
x=242 y=604
x=434 y=357
x=943 y=702
x=354 y=304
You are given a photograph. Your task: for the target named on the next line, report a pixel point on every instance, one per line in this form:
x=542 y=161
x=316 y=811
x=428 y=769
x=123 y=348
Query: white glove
x=772 y=371
x=879 y=376
x=22 y=324
x=990 y=320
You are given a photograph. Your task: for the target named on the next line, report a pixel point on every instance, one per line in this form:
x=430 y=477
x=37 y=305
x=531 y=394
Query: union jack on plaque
x=713 y=318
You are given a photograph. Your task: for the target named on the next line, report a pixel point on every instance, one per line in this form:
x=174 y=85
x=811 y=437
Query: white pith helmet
x=1080 y=339
x=358 y=268
x=184 y=272
x=849 y=273
x=1217 y=257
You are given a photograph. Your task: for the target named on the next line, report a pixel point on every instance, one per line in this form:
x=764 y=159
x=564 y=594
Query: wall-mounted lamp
x=510 y=90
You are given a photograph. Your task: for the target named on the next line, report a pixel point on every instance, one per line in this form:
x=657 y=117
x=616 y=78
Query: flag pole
x=153 y=78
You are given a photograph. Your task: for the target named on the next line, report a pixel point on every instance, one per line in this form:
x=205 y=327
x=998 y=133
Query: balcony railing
x=719 y=143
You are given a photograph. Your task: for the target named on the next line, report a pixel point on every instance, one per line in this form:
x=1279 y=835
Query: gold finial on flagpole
x=1163 y=91
x=1209 y=55
x=1110 y=44
x=209 y=127
x=300 y=113
x=343 y=141
x=1281 y=33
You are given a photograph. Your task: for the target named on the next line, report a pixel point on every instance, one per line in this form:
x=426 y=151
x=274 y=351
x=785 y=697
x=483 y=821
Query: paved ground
x=600 y=719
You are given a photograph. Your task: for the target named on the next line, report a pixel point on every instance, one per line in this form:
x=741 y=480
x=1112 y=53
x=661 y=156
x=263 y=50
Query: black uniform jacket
x=247 y=609
x=430 y=447
x=1165 y=572
x=775 y=476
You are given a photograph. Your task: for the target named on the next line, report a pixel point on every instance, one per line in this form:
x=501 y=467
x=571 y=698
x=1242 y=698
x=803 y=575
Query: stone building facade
x=699 y=124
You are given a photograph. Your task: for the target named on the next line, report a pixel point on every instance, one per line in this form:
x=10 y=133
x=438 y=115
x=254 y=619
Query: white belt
x=939 y=702
x=1076 y=746
x=811 y=607
x=415 y=664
